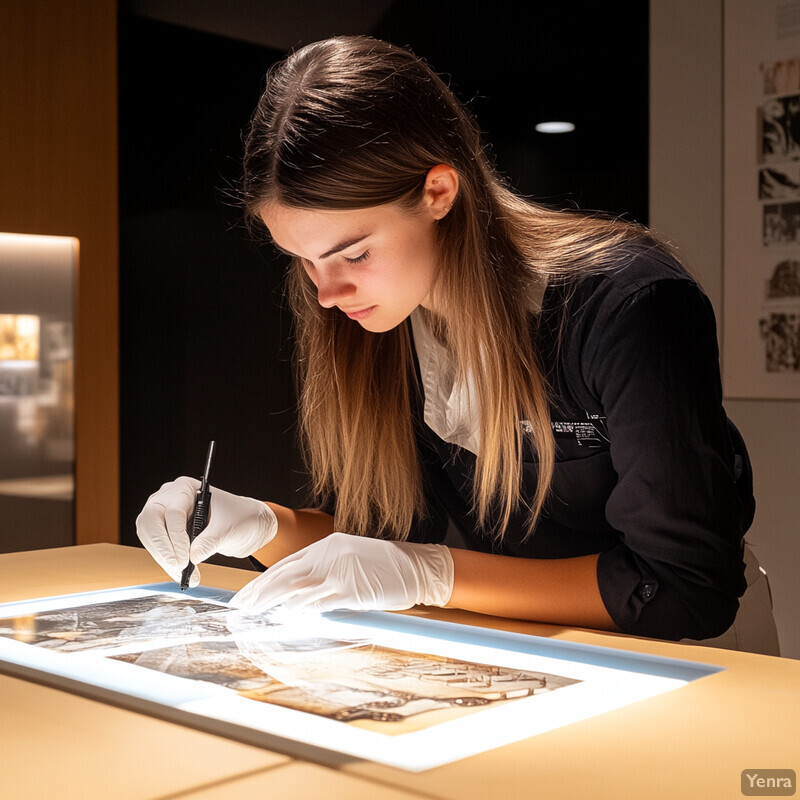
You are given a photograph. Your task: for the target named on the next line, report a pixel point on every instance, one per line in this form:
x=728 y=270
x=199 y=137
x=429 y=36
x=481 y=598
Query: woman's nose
x=333 y=287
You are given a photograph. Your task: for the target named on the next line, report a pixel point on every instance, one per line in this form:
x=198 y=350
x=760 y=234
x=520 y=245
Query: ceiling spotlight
x=555 y=127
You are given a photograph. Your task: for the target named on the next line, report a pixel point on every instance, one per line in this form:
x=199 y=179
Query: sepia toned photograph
x=348 y=683
x=781 y=77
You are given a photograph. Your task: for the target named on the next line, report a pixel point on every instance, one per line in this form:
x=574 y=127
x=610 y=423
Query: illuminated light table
x=691 y=742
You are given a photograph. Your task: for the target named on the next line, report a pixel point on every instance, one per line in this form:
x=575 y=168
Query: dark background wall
x=518 y=63
x=204 y=332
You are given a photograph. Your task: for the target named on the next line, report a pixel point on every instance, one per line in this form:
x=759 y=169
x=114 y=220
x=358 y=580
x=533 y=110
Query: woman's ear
x=440 y=191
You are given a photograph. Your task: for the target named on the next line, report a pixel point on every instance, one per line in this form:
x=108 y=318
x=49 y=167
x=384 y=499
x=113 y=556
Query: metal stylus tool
x=202 y=506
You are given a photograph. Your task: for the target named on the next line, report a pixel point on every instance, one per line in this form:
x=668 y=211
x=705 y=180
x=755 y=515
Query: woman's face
x=374 y=264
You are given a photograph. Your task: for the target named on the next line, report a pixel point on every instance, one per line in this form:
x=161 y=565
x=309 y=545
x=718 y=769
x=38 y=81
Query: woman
x=546 y=382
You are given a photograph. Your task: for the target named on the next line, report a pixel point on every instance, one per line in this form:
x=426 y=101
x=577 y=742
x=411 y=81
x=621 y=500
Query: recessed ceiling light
x=555 y=127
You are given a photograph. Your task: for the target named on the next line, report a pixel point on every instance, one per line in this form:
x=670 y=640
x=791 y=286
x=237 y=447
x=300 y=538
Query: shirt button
x=647 y=590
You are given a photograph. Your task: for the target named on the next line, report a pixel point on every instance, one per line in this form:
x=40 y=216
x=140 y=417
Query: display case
x=37 y=404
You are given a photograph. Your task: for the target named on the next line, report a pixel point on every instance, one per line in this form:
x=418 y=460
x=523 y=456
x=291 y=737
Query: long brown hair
x=354 y=122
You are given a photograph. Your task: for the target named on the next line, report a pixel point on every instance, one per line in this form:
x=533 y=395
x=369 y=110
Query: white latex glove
x=353 y=572
x=237 y=526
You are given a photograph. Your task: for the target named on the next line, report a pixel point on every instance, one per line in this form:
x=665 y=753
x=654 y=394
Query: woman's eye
x=358 y=259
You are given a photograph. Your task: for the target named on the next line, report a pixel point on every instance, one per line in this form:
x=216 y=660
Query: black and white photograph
x=779 y=129
x=109 y=625
x=781 y=223
x=781 y=334
x=784 y=281
x=779 y=181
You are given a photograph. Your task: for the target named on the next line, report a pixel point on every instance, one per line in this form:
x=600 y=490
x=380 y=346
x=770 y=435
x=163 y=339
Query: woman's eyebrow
x=336 y=249
x=342 y=246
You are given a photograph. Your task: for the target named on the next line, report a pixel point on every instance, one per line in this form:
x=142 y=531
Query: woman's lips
x=361 y=314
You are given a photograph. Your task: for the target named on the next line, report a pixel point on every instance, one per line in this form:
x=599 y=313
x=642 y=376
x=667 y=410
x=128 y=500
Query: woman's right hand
x=237 y=526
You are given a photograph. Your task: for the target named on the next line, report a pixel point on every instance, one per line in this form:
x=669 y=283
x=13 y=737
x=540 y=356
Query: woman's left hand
x=353 y=572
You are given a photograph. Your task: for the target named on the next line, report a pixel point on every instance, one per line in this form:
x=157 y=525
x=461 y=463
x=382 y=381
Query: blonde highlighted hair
x=354 y=122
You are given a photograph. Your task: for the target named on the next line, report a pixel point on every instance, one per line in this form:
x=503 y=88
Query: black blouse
x=650 y=473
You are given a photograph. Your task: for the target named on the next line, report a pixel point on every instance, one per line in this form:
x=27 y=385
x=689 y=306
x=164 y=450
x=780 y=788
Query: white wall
x=686 y=202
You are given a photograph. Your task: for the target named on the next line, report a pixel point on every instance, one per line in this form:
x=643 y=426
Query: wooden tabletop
x=691 y=743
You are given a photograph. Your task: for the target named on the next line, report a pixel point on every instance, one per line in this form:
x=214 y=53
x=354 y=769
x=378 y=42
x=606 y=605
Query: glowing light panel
x=400 y=690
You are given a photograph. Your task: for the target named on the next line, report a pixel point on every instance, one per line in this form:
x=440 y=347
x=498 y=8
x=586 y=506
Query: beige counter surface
x=690 y=743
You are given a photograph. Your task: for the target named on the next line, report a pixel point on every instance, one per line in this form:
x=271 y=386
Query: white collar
x=453 y=411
